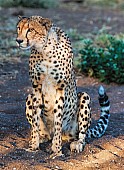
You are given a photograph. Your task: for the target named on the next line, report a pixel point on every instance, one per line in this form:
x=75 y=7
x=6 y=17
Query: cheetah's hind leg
x=84 y=121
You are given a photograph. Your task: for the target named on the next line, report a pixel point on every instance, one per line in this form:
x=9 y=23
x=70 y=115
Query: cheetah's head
x=32 y=31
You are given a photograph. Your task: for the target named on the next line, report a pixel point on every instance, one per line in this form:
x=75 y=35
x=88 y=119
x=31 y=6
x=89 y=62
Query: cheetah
x=54 y=108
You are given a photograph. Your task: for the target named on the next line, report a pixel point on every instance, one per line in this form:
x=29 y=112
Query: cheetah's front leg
x=39 y=132
x=58 y=114
x=84 y=121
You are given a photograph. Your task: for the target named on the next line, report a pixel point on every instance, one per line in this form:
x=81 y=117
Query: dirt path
x=104 y=153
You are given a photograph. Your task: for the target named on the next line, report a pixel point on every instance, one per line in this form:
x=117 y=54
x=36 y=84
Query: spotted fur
x=54 y=108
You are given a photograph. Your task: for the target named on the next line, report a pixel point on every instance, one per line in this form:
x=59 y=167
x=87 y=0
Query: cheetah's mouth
x=25 y=48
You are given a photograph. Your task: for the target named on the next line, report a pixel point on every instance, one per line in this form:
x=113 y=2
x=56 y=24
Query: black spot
x=92 y=136
x=100 y=130
x=95 y=132
x=54 y=70
x=106 y=116
x=88 y=106
x=56 y=101
x=28 y=103
x=84 y=126
x=70 y=135
x=83 y=101
x=35 y=86
x=34 y=99
x=85 y=112
x=105 y=104
x=56 y=78
x=82 y=115
x=88 y=98
x=104 y=120
x=38 y=74
x=59 y=107
x=30 y=116
x=30 y=120
x=59 y=81
x=82 y=106
x=60 y=89
x=46 y=102
x=39 y=90
x=35 y=112
x=62 y=85
x=27 y=114
x=41 y=106
x=102 y=126
x=61 y=77
x=30 y=107
x=59 y=115
x=36 y=90
x=55 y=110
x=83 y=132
x=57 y=65
x=57 y=123
x=84 y=97
x=62 y=98
x=64 y=118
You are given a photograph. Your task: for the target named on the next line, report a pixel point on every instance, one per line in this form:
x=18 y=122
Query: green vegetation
x=103 y=58
x=105 y=3
x=100 y=56
x=73 y=34
x=27 y=3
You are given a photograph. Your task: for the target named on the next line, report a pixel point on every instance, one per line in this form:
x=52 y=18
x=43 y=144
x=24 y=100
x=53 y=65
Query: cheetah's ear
x=21 y=17
x=46 y=23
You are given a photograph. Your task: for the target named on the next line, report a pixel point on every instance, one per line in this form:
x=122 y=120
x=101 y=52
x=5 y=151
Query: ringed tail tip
x=101 y=91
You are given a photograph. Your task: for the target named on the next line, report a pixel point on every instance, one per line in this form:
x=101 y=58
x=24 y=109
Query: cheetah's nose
x=19 y=41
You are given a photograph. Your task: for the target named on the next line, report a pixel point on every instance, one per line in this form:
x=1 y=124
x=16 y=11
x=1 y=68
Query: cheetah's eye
x=18 y=28
x=30 y=29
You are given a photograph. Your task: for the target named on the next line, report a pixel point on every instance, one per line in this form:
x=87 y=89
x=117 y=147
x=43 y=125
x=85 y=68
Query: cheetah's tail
x=102 y=123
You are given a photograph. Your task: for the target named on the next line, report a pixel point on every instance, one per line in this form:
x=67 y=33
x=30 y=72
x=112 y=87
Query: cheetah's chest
x=49 y=91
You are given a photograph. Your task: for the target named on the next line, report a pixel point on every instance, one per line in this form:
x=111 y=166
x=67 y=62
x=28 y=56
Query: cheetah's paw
x=55 y=155
x=32 y=149
x=77 y=146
